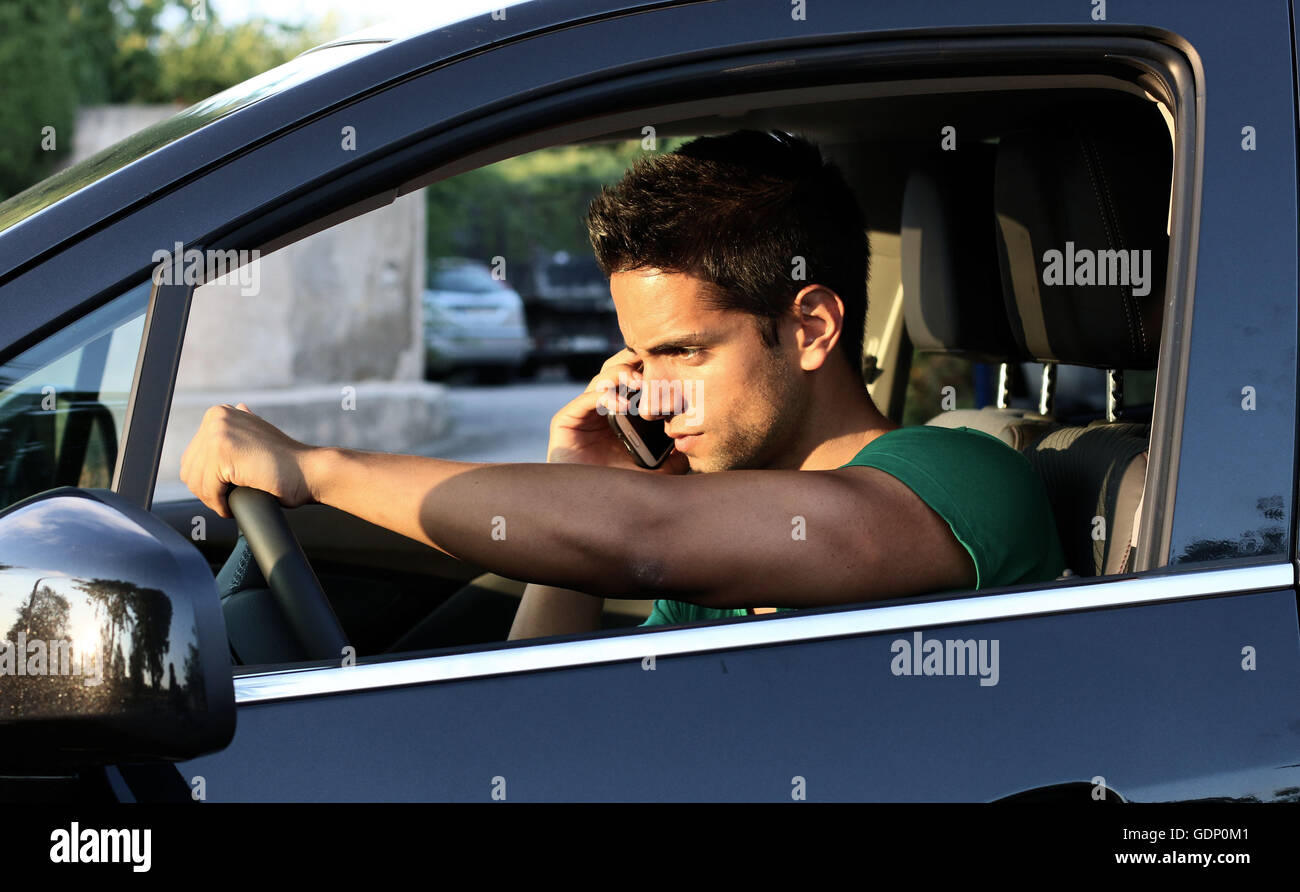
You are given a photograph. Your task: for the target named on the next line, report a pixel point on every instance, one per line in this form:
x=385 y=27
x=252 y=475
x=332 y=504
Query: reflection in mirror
x=112 y=635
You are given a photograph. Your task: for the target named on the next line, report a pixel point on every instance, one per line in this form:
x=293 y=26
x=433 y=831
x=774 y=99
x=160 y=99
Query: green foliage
x=200 y=59
x=93 y=32
x=37 y=90
x=134 y=68
x=113 y=45
x=536 y=201
x=56 y=55
x=156 y=51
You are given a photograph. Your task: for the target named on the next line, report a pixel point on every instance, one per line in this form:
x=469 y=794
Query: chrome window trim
x=400 y=672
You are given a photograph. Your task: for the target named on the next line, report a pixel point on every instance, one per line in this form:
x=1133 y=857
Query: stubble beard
x=759 y=444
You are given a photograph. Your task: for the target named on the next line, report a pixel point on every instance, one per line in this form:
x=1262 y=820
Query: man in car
x=738 y=268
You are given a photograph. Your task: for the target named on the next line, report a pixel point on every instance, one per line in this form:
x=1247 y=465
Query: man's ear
x=819 y=321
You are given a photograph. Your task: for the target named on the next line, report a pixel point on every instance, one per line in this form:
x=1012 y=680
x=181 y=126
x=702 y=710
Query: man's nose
x=661 y=399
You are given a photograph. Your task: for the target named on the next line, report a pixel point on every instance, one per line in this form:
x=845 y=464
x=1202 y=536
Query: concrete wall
x=100 y=126
x=342 y=306
x=329 y=347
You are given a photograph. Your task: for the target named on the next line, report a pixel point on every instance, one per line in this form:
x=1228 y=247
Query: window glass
x=454 y=322
x=63 y=402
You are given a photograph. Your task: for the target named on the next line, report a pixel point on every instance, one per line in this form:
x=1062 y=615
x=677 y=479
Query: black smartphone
x=644 y=439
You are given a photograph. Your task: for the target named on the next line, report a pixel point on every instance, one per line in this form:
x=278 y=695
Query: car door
x=1148 y=687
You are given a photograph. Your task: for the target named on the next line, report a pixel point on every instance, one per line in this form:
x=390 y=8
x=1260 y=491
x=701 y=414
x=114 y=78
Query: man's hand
x=234 y=447
x=580 y=432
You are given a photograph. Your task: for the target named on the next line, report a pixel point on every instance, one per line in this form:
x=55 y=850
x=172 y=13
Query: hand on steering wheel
x=291 y=578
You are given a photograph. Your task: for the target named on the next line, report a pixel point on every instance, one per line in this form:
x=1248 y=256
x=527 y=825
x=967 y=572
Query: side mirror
x=112 y=644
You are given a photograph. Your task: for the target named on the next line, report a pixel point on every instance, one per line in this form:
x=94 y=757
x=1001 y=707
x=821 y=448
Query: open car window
x=457 y=320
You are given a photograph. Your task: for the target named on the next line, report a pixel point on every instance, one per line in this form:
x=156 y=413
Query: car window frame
x=442 y=147
x=1176 y=73
x=1188 y=136
x=149 y=406
x=261 y=684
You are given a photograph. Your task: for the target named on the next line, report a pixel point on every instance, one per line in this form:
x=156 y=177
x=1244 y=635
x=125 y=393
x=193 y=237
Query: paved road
x=503 y=423
x=489 y=423
x=507 y=423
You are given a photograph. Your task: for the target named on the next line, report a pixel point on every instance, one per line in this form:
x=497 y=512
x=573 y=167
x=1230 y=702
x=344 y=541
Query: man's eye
x=687 y=352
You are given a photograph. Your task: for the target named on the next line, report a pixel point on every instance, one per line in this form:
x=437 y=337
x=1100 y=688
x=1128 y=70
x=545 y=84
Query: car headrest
x=1082 y=200
x=952 y=286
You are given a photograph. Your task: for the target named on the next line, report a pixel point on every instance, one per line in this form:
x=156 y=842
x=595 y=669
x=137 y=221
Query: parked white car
x=472 y=321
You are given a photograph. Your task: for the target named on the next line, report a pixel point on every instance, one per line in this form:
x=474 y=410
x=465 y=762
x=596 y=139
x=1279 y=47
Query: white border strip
x=756 y=633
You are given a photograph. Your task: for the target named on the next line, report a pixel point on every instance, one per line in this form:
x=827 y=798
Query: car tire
x=496 y=374
x=583 y=369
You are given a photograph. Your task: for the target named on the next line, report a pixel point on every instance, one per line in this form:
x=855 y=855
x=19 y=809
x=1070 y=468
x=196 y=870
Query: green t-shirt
x=984 y=489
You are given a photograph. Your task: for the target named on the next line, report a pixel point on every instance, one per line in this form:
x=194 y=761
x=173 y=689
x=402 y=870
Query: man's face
x=739 y=399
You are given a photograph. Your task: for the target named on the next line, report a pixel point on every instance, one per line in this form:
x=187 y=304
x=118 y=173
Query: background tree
x=536 y=201
x=198 y=59
x=57 y=55
x=37 y=90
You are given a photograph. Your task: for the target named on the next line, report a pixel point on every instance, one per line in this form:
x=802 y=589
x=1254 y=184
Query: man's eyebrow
x=677 y=342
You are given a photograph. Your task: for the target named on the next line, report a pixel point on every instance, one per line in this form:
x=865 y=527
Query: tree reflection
x=146 y=613
x=44 y=616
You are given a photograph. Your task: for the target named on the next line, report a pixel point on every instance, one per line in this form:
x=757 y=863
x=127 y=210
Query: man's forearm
x=555 y=524
x=547 y=610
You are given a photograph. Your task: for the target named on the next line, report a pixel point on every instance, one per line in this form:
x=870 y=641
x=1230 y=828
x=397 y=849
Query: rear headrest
x=952 y=287
x=1082 y=200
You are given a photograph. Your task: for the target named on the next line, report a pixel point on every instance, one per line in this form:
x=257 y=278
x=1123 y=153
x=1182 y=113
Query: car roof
x=140 y=167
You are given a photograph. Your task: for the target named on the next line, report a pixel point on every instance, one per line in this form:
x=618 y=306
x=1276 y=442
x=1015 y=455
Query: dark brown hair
x=735 y=211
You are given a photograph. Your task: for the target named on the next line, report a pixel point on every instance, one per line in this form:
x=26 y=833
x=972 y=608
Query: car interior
x=963 y=190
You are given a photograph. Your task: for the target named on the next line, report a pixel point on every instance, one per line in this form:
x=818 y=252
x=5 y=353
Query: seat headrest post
x=1004 y=385
x=1114 y=394
x=1047 y=392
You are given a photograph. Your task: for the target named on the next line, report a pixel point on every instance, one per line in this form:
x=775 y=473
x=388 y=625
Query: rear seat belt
x=1133 y=538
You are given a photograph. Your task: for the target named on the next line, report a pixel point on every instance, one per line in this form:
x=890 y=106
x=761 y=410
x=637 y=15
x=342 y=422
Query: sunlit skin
x=775 y=426
x=752 y=405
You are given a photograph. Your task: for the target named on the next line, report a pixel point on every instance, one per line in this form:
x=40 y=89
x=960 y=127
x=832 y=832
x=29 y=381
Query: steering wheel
x=294 y=584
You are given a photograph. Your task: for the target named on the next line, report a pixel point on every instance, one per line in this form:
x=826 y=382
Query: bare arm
x=586 y=522
x=547 y=610
x=566 y=525
x=726 y=539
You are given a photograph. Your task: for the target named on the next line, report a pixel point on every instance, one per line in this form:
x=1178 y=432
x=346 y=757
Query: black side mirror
x=112 y=644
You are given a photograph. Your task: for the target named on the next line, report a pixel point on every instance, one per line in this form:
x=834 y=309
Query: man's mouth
x=683 y=442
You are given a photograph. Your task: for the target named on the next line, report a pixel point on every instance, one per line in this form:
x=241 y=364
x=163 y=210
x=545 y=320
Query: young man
x=738 y=268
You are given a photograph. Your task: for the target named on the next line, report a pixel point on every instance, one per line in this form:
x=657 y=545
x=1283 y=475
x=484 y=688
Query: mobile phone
x=644 y=439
